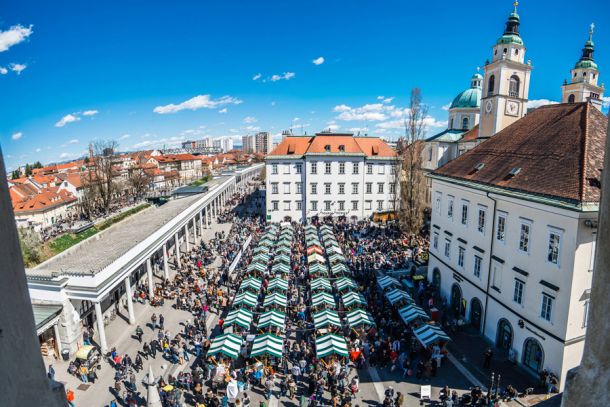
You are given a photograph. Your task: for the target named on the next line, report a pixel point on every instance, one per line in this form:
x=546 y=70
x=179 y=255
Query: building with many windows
x=263 y=142
x=513 y=234
x=330 y=174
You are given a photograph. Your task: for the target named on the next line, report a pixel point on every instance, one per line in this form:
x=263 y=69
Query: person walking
x=153 y=320
x=487 y=358
x=161 y=321
x=139 y=333
x=51 y=373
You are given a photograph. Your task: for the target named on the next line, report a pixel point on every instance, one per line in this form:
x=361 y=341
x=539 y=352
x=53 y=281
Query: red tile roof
x=333 y=144
x=470 y=135
x=46 y=199
x=558 y=149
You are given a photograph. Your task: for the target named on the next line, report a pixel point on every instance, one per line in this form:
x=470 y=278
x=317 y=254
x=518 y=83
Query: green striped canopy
x=251 y=283
x=241 y=317
x=261 y=258
x=323 y=298
x=265 y=241
x=352 y=298
x=315 y=257
x=260 y=249
x=334 y=249
x=283 y=249
x=397 y=295
x=412 y=312
x=318 y=268
x=336 y=258
x=227 y=344
x=280 y=268
x=330 y=344
x=267 y=344
x=312 y=239
x=387 y=281
x=327 y=317
x=272 y=318
x=327 y=233
x=275 y=298
x=345 y=283
x=285 y=242
x=285 y=239
x=277 y=284
x=245 y=298
x=359 y=317
x=326 y=227
x=428 y=334
x=257 y=267
x=282 y=258
x=320 y=284
x=339 y=268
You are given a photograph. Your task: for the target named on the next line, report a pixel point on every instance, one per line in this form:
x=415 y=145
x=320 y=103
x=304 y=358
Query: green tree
x=16 y=174
x=28 y=170
x=31 y=246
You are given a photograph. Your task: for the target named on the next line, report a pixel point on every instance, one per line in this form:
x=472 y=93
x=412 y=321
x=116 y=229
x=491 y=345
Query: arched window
x=571 y=98
x=513 y=86
x=465 y=123
x=451 y=123
x=490 y=85
x=533 y=355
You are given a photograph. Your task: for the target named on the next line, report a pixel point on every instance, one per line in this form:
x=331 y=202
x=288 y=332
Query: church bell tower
x=506 y=81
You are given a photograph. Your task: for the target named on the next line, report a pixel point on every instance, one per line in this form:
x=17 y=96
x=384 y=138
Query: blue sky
x=123 y=70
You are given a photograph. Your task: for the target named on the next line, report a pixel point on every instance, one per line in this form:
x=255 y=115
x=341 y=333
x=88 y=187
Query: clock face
x=512 y=108
x=488 y=106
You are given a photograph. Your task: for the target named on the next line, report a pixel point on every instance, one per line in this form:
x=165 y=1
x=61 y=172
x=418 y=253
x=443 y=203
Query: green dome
x=477 y=76
x=470 y=98
x=510 y=39
x=585 y=64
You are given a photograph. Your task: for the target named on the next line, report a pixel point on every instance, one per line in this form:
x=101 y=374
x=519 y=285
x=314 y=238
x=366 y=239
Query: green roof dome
x=470 y=98
x=510 y=39
x=477 y=76
x=585 y=64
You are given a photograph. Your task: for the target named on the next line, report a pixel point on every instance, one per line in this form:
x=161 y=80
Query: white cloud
x=446 y=107
x=250 y=119
x=66 y=155
x=198 y=102
x=374 y=112
x=69 y=118
x=388 y=100
x=285 y=76
x=223 y=110
x=533 y=104
x=18 y=68
x=16 y=136
x=73 y=141
x=429 y=121
x=3 y=70
x=90 y=112
x=124 y=136
x=606 y=101
x=257 y=77
x=38 y=150
x=318 y=61
x=166 y=141
x=251 y=128
x=358 y=129
x=332 y=126
x=14 y=36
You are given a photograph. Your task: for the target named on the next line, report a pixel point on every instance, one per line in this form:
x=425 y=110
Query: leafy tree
x=16 y=174
x=31 y=246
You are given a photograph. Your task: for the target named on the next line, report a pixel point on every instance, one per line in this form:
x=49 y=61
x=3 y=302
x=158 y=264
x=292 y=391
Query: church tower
x=583 y=82
x=506 y=81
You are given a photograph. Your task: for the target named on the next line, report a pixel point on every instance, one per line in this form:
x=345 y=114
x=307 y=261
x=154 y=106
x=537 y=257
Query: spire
x=586 y=60
x=512 y=25
x=152 y=395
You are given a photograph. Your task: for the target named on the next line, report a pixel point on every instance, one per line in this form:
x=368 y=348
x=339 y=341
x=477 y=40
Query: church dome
x=585 y=64
x=470 y=98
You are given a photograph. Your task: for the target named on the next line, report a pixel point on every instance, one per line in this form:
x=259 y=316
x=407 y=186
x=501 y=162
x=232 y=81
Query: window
x=286 y=187
x=314 y=188
x=381 y=168
x=327 y=188
x=524 y=237
x=437 y=202
x=393 y=169
x=286 y=168
x=274 y=188
x=481 y=222
x=435 y=241
x=501 y=231
x=518 y=292
x=299 y=188
x=571 y=98
x=592 y=254
x=554 y=245
x=368 y=205
x=477 y=266
x=585 y=317
x=327 y=205
x=314 y=168
x=430 y=153
x=490 y=85
x=341 y=205
x=286 y=205
x=464 y=213
x=299 y=205
x=299 y=168
x=273 y=168
x=327 y=168
x=496 y=270
x=369 y=187
x=392 y=188
x=513 y=86
x=379 y=205
x=341 y=188
x=341 y=168
x=369 y=168
x=380 y=187
x=355 y=168
x=465 y=123
x=450 y=207
x=547 y=307
x=447 y=248
x=314 y=205
x=461 y=253
x=327 y=148
x=354 y=205
x=354 y=187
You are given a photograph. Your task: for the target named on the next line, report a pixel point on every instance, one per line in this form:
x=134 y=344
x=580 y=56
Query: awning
x=267 y=344
x=325 y=227
x=45 y=316
x=283 y=249
x=257 y=267
x=335 y=249
x=327 y=317
x=387 y=281
x=352 y=298
x=315 y=257
x=346 y=283
x=265 y=241
x=285 y=243
x=312 y=239
x=323 y=298
x=261 y=258
x=318 y=268
x=260 y=249
x=320 y=284
x=397 y=295
x=251 y=283
x=227 y=344
x=330 y=344
x=314 y=249
x=277 y=284
x=275 y=298
x=282 y=258
x=272 y=318
x=336 y=258
x=241 y=317
x=359 y=317
x=328 y=244
x=429 y=334
x=280 y=268
x=411 y=312
x=339 y=268
x=245 y=298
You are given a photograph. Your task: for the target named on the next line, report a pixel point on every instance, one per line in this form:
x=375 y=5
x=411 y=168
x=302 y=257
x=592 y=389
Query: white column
x=129 y=295
x=100 y=327
x=195 y=230
x=177 y=250
x=165 y=261
x=207 y=217
x=201 y=224
x=151 y=282
x=57 y=338
x=186 y=237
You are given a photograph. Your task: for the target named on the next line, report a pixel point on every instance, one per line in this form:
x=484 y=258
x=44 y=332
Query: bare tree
x=413 y=180
x=99 y=183
x=138 y=182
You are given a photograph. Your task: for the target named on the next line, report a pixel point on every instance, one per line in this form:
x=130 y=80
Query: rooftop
x=333 y=143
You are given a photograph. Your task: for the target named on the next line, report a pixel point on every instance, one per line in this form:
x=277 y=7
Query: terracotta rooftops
x=333 y=143
x=555 y=151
